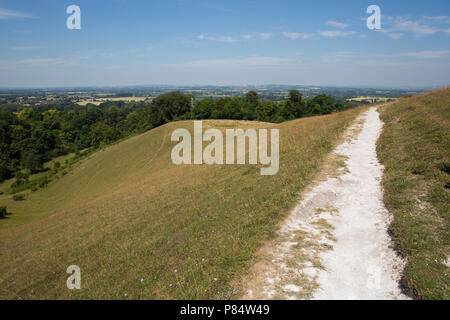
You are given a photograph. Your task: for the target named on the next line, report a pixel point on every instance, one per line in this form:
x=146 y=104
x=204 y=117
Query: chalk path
x=335 y=244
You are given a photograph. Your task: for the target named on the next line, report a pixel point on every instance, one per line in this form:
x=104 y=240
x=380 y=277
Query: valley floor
x=335 y=243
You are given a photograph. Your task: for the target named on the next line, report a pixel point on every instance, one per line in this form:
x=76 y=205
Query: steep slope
x=415 y=149
x=140 y=227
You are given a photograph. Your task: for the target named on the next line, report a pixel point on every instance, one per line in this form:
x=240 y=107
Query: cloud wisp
x=265 y=35
x=26 y=48
x=297 y=35
x=6 y=14
x=336 y=33
x=426 y=54
x=337 y=24
x=237 y=62
x=397 y=27
x=41 y=62
x=233 y=39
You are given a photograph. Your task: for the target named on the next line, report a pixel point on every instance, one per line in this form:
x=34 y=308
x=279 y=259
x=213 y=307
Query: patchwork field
x=373 y=99
x=98 y=101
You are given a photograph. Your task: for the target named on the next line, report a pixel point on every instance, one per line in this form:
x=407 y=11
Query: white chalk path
x=362 y=264
x=359 y=262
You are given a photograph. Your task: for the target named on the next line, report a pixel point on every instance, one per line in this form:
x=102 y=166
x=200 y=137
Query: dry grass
x=127 y=213
x=415 y=150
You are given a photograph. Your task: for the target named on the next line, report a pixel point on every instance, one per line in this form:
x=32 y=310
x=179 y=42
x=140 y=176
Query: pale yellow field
x=98 y=101
x=375 y=99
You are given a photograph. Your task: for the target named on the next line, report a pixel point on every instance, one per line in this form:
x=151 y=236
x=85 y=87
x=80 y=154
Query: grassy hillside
x=140 y=227
x=415 y=149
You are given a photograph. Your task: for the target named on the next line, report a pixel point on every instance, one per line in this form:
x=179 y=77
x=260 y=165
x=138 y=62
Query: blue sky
x=209 y=42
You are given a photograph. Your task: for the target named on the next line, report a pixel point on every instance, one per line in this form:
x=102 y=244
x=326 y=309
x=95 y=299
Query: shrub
x=21 y=179
x=43 y=182
x=3 y=212
x=18 y=197
x=56 y=165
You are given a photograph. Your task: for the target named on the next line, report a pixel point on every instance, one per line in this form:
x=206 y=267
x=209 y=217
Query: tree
x=296 y=105
x=265 y=110
x=173 y=104
x=5 y=172
x=251 y=104
x=295 y=97
x=251 y=98
x=203 y=109
x=102 y=133
x=323 y=103
x=33 y=162
x=219 y=111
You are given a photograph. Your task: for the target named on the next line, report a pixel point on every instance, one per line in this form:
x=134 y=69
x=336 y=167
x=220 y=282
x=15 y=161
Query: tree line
x=31 y=136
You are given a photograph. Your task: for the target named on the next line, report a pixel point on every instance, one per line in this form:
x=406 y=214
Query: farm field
x=372 y=99
x=98 y=101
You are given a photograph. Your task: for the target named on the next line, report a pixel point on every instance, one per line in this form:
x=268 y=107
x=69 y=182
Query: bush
x=18 y=197
x=3 y=212
x=43 y=182
x=56 y=165
x=21 y=179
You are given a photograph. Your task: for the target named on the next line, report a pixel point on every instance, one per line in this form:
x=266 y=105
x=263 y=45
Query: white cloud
x=265 y=35
x=339 y=56
x=297 y=35
x=415 y=27
x=41 y=62
x=401 y=25
x=398 y=27
x=6 y=14
x=396 y=36
x=241 y=62
x=444 y=19
x=336 y=33
x=427 y=54
x=26 y=48
x=226 y=39
x=337 y=24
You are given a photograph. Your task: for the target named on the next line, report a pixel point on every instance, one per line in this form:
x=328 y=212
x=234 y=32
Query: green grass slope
x=415 y=150
x=140 y=227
